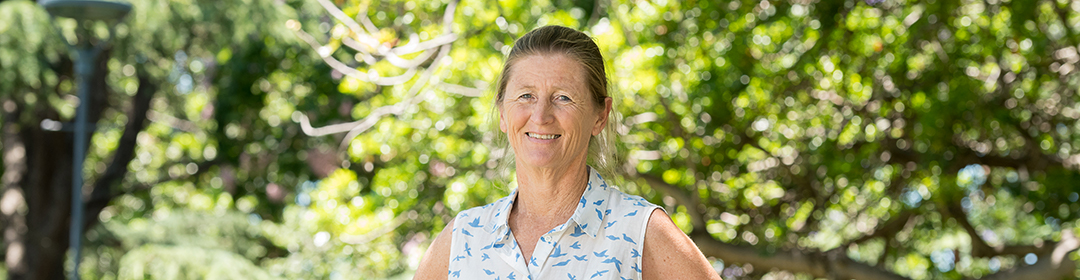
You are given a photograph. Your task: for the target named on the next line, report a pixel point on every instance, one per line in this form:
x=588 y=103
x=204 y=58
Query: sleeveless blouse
x=602 y=240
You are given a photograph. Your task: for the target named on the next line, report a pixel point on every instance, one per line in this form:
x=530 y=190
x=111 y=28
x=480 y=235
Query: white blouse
x=602 y=240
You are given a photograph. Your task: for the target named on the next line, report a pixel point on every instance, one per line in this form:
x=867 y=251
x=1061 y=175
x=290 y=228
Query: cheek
x=580 y=120
x=512 y=117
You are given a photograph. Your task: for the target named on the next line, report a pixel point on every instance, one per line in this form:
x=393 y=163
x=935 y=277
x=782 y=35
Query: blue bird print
x=570 y=276
x=511 y=276
x=533 y=261
x=498 y=245
x=458 y=258
x=620 y=278
x=598 y=274
x=612 y=237
x=636 y=268
x=631 y=214
x=489 y=272
x=618 y=264
x=558 y=252
x=456 y=273
x=634 y=253
x=602 y=254
x=627 y=238
x=598 y=202
x=577 y=232
x=561 y=263
x=582 y=201
x=599 y=214
x=467 y=249
x=607 y=212
x=484 y=257
x=581 y=258
x=466 y=233
x=475 y=223
x=584 y=226
x=610 y=224
x=576 y=245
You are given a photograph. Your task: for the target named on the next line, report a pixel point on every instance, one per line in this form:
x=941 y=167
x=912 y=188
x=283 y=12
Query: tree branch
x=981 y=249
x=411 y=98
x=689 y=201
x=832 y=264
x=1055 y=265
x=125 y=152
x=324 y=53
x=887 y=229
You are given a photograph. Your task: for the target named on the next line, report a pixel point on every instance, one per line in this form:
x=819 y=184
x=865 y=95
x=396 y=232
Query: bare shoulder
x=436 y=261
x=670 y=254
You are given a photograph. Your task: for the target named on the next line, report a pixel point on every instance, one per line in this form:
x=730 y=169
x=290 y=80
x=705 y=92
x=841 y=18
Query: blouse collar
x=587 y=217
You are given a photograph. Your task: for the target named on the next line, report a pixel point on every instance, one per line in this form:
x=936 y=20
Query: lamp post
x=86 y=51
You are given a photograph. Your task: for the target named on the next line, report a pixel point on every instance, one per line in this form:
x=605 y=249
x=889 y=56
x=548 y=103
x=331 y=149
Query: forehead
x=547 y=71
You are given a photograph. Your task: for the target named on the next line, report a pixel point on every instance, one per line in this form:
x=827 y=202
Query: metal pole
x=84 y=69
x=83 y=10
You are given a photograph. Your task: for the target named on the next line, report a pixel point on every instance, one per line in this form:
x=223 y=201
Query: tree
x=805 y=139
x=866 y=140
x=192 y=54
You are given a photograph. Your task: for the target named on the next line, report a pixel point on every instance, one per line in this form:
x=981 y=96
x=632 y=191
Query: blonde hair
x=580 y=47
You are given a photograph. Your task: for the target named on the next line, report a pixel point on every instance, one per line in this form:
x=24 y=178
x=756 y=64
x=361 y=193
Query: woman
x=563 y=221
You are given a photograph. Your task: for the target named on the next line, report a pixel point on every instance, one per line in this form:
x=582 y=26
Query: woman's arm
x=436 y=261
x=670 y=254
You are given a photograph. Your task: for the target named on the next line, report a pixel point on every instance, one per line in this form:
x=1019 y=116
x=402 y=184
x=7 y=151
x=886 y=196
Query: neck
x=547 y=195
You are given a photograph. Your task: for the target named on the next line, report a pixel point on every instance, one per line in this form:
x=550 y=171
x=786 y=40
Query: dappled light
x=314 y=139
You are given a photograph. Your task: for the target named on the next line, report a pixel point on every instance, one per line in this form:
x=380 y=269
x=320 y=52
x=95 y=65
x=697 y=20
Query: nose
x=542 y=112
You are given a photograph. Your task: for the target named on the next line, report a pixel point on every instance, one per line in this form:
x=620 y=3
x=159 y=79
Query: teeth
x=542 y=136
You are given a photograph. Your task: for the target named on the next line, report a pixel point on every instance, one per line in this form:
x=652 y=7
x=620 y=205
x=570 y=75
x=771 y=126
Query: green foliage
x=790 y=125
x=167 y=262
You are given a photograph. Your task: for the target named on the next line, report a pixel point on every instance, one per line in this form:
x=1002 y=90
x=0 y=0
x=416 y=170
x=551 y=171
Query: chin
x=545 y=161
x=537 y=163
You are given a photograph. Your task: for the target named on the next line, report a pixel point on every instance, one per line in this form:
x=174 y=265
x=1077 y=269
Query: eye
x=563 y=98
x=525 y=96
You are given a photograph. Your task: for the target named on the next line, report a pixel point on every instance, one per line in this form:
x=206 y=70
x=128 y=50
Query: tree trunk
x=47 y=187
x=37 y=197
x=37 y=179
x=13 y=204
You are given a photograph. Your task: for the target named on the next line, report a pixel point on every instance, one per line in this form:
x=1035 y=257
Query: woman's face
x=548 y=112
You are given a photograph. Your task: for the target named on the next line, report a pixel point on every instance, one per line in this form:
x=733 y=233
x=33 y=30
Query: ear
x=602 y=120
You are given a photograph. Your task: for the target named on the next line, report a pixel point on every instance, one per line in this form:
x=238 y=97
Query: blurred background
x=332 y=139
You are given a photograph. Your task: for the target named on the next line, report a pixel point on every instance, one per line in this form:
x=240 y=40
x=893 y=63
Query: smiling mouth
x=543 y=136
